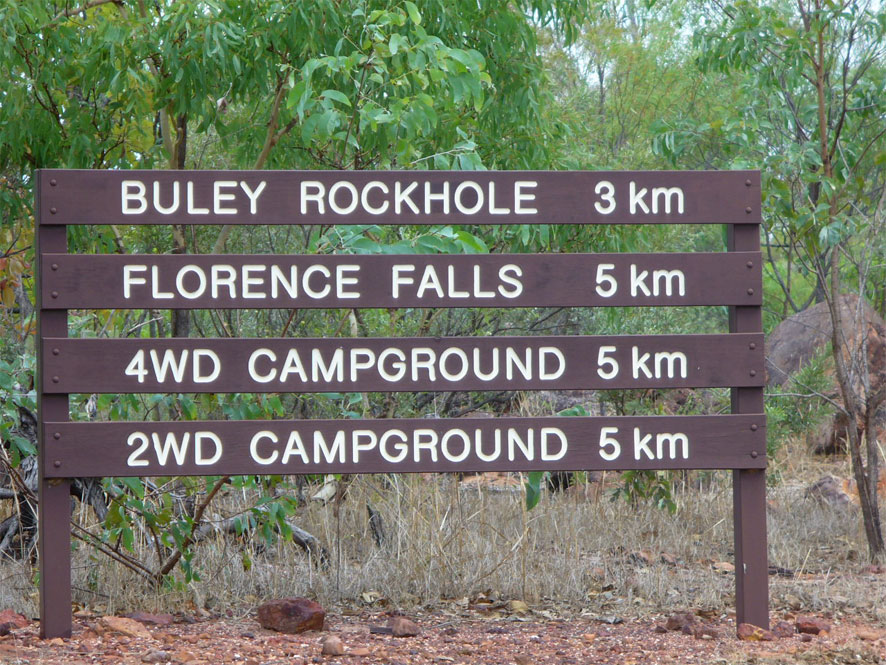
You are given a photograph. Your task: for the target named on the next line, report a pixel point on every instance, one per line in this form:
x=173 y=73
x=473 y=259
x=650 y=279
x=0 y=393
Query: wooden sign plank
x=495 y=280
x=400 y=197
x=401 y=364
x=407 y=445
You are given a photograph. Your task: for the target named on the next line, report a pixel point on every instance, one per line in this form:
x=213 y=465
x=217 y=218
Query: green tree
x=130 y=84
x=809 y=108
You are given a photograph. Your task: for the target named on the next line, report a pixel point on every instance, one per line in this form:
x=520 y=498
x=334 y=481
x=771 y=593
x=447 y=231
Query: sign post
x=65 y=366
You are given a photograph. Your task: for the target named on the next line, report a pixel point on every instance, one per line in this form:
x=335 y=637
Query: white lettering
x=158 y=206
x=199 y=458
x=138 y=196
x=253 y=194
x=218 y=196
x=520 y=197
x=130 y=280
x=253 y=447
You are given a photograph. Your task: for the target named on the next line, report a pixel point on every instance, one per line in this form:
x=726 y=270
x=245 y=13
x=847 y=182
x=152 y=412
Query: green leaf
x=533 y=488
x=413 y=12
x=337 y=96
x=135 y=485
x=396 y=42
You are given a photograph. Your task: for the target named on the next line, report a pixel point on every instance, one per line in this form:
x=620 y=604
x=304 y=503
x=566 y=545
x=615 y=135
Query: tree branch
x=68 y=13
x=198 y=517
x=272 y=136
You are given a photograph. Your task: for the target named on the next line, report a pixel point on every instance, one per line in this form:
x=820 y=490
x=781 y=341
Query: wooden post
x=54 y=508
x=749 y=485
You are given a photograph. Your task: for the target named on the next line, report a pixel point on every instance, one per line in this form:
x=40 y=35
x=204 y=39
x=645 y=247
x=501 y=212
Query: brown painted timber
x=545 y=280
x=557 y=197
x=136 y=448
x=99 y=365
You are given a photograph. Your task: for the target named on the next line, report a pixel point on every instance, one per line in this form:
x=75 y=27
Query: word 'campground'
x=394 y=365
x=392 y=446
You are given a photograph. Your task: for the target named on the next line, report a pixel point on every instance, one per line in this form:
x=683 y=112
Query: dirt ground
x=471 y=636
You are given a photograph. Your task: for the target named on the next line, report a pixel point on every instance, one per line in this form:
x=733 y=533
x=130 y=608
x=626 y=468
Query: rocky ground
x=490 y=635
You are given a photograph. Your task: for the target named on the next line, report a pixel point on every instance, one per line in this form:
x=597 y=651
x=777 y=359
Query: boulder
x=748 y=632
x=403 y=627
x=830 y=490
x=332 y=646
x=14 y=619
x=801 y=337
x=812 y=625
x=831 y=438
x=841 y=491
x=683 y=621
x=291 y=615
x=124 y=626
x=783 y=629
x=151 y=619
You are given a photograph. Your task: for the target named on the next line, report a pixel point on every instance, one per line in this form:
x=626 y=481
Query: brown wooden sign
x=400 y=197
x=405 y=445
x=144 y=365
x=401 y=364
x=497 y=280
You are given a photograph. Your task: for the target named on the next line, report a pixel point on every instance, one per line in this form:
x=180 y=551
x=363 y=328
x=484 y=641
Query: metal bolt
x=748 y=183
x=754 y=427
x=753 y=372
x=754 y=454
x=750 y=264
x=55 y=379
x=53 y=210
x=749 y=210
x=752 y=346
x=750 y=292
x=54 y=294
x=56 y=464
x=54 y=266
x=57 y=436
x=53 y=182
x=55 y=352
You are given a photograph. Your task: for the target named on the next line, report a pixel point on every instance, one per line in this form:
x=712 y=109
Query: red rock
x=291 y=615
x=812 y=625
x=332 y=646
x=783 y=629
x=14 y=618
x=805 y=638
x=642 y=557
x=660 y=629
x=702 y=632
x=403 y=627
x=668 y=559
x=751 y=633
x=359 y=651
x=867 y=635
x=678 y=621
x=151 y=619
x=124 y=626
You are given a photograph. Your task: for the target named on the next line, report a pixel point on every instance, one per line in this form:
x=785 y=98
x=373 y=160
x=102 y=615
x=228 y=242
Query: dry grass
x=445 y=542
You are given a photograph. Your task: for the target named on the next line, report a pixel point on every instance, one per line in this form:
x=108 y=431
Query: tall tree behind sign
x=810 y=105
